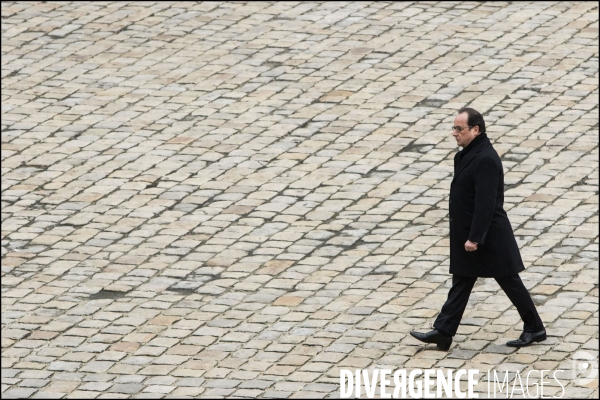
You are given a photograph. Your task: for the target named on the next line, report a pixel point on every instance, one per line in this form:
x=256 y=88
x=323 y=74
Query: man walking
x=482 y=243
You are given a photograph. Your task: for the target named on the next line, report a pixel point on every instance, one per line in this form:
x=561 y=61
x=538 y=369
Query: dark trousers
x=452 y=311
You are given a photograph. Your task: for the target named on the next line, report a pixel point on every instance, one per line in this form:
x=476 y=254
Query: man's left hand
x=470 y=246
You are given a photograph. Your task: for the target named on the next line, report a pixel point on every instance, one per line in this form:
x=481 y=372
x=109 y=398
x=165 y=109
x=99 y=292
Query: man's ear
x=477 y=132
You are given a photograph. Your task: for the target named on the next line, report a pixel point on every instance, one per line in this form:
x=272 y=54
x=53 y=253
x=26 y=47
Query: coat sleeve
x=487 y=176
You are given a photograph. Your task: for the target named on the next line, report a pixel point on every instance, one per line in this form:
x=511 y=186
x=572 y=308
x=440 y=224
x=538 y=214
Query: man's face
x=461 y=131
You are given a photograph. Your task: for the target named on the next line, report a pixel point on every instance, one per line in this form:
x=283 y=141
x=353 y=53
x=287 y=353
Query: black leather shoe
x=443 y=342
x=527 y=338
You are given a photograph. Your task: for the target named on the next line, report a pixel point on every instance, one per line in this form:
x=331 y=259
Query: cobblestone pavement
x=241 y=199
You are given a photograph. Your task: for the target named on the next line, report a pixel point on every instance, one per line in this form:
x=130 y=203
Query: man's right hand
x=470 y=246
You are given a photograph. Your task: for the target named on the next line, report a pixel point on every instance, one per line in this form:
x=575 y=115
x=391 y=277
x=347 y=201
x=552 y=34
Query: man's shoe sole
x=444 y=348
x=541 y=338
x=440 y=346
x=538 y=339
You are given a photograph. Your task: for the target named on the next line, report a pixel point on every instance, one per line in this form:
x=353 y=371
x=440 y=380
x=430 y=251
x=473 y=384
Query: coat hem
x=488 y=276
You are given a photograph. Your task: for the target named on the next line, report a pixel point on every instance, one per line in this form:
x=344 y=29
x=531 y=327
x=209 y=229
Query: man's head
x=468 y=124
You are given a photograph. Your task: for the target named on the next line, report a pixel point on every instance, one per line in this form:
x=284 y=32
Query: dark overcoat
x=477 y=214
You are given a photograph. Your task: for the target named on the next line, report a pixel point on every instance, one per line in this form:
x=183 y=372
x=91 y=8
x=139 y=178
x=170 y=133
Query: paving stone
x=95 y=386
x=126 y=388
x=18 y=393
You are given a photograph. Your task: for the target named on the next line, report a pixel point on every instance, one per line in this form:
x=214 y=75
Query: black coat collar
x=468 y=154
